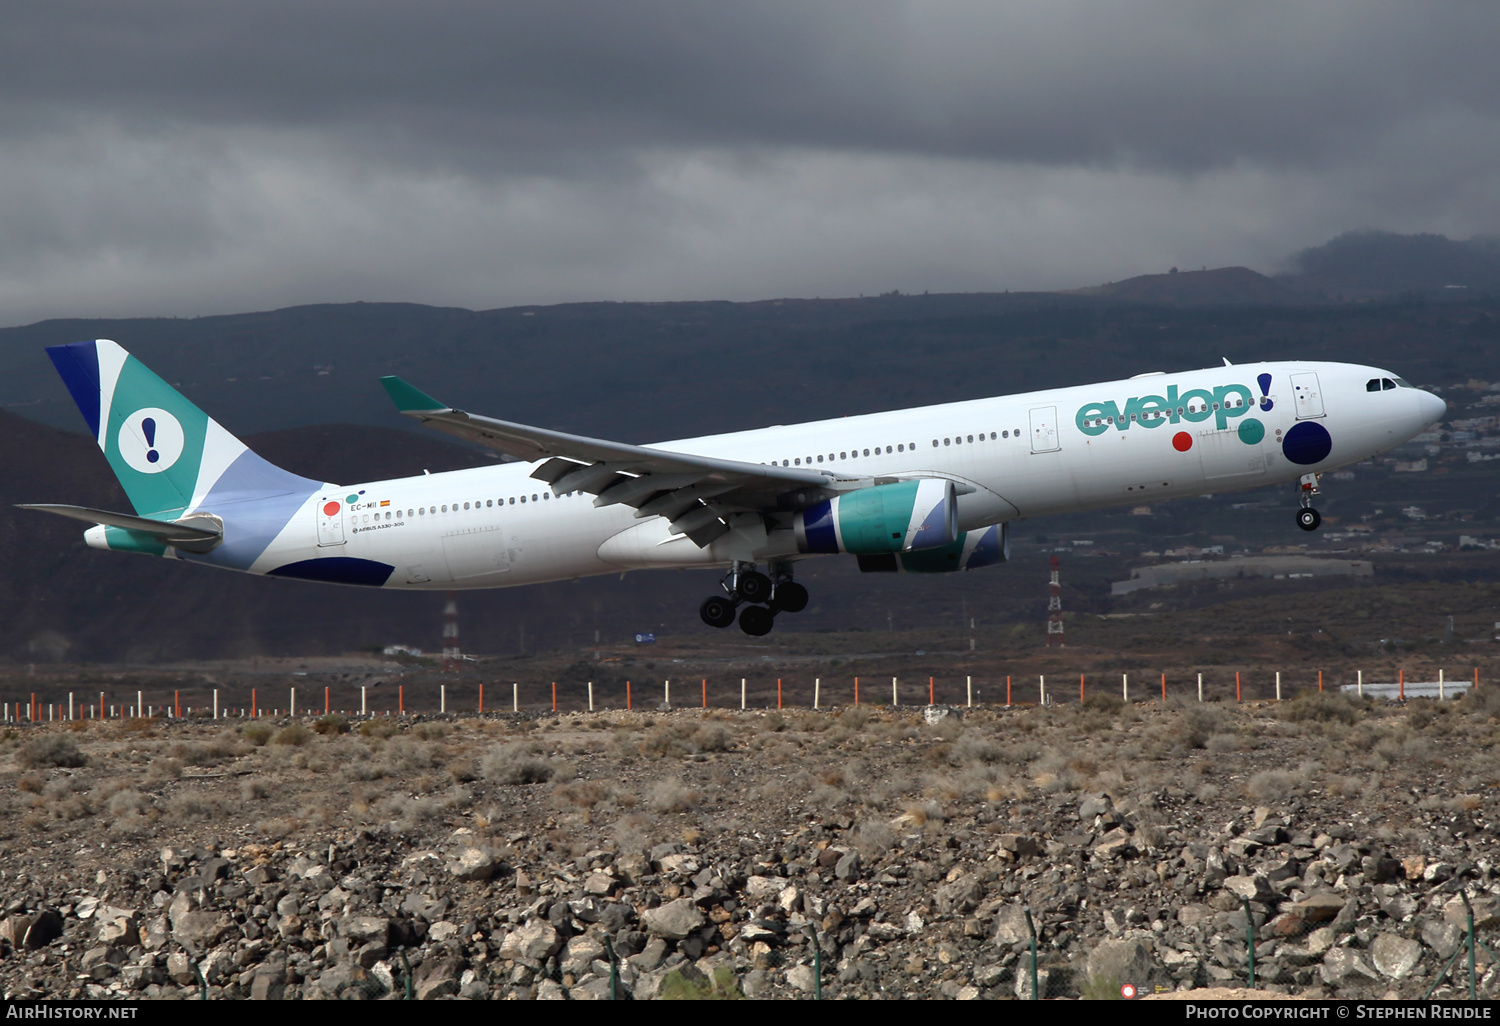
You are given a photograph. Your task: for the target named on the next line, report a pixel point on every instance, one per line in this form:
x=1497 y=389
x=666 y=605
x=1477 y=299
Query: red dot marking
x=330 y=509
x=1182 y=441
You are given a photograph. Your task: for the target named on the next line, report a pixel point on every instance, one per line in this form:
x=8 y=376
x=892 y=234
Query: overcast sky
x=183 y=157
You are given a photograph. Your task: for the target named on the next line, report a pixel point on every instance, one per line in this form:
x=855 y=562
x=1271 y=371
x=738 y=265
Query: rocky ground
x=713 y=852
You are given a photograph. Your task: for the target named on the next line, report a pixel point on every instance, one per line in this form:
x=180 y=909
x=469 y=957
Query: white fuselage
x=1026 y=455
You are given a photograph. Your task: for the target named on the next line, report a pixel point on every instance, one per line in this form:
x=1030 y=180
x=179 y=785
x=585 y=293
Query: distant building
x=1171 y=574
x=1409 y=466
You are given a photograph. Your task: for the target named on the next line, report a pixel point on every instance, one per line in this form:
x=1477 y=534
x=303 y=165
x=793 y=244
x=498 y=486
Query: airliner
x=925 y=490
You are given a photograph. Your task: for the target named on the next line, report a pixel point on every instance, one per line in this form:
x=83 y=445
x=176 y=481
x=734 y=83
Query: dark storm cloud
x=1178 y=85
x=180 y=156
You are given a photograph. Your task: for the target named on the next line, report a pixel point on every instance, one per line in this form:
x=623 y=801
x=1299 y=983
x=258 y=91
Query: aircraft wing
x=695 y=493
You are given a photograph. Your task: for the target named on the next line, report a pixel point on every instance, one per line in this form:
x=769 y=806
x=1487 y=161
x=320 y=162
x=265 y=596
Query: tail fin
x=167 y=453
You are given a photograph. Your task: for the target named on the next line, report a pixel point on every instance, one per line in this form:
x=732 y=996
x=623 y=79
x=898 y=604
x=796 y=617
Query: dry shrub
x=379 y=728
x=948 y=728
x=873 y=838
x=253 y=789
x=517 y=764
x=673 y=796
x=31 y=783
x=1222 y=744
x=810 y=722
x=191 y=806
x=712 y=737
x=1268 y=785
x=208 y=753
x=432 y=731
x=51 y=751
x=973 y=748
x=257 y=733
x=585 y=795
x=855 y=718
x=825 y=797
x=1199 y=722
x=330 y=724
x=293 y=734
x=667 y=740
x=1323 y=707
x=632 y=833
x=162 y=770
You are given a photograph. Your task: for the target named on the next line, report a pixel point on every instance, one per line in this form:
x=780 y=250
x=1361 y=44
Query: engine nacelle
x=969 y=551
x=908 y=516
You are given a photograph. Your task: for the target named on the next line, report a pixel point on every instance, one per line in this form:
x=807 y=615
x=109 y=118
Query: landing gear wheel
x=717 y=611
x=755 y=586
x=1308 y=519
x=756 y=621
x=790 y=597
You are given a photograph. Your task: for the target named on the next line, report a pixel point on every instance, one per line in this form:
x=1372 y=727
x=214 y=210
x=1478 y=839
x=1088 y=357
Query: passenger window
x=1005 y=434
x=533 y=496
x=867 y=452
x=512 y=500
x=842 y=455
x=445 y=508
x=523 y=500
x=820 y=458
x=799 y=461
x=546 y=495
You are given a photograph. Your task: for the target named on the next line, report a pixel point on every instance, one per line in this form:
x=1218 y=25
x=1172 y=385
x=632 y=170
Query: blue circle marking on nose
x=1307 y=443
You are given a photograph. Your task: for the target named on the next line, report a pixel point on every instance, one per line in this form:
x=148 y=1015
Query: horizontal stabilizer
x=199 y=533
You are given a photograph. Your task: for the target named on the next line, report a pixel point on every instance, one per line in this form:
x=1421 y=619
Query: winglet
x=408 y=398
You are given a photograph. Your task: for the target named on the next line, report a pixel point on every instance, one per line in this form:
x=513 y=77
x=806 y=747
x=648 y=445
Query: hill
x=1221 y=286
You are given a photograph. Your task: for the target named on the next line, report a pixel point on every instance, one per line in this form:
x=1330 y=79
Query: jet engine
x=969 y=551
x=908 y=516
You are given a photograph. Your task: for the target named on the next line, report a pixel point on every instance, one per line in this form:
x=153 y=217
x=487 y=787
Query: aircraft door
x=1044 y=437
x=1308 y=396
x=330 y=513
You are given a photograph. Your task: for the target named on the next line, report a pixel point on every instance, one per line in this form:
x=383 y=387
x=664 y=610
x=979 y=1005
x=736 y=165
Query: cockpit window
x=1373 y=385
x=1403 y=383
x=1387 y=383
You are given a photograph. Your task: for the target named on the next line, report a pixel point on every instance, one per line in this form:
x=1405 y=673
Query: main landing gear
x=1308 y=518
x=762 y=596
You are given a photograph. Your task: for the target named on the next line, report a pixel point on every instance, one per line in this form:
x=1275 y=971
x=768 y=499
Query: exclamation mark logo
x=148 y=428
x=1264 y=380
x=151 y=440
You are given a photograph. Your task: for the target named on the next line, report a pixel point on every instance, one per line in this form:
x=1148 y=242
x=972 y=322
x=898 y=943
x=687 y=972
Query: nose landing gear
x=763 y=597
x=1308 y=518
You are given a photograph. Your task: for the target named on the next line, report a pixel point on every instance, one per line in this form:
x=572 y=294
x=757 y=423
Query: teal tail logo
x=156 y=441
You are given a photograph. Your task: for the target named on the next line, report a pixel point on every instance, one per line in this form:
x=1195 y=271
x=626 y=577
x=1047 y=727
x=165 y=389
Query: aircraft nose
x=1434 y=408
